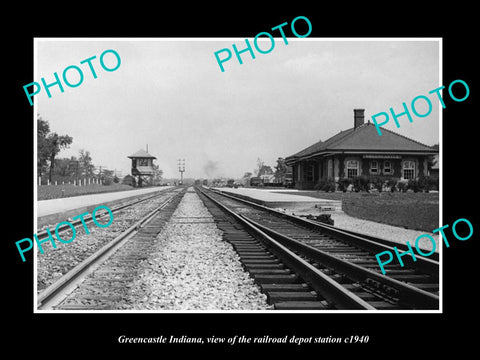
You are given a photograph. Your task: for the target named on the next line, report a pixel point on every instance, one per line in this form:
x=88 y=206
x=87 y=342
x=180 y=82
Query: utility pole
x=181 y=169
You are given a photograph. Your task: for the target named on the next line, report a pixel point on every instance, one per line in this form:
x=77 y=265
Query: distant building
x=360 y=151
x=255 y=181
x=266 y=174
x=142 y=167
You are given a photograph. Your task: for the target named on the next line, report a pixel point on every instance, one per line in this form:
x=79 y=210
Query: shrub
x=377 y=182
x=330 y=186
x=319 y=186
x=402 y=186
x=325 y=185
x=107 y=181
x=391 y=184
x=129 y=180
x=360 y=183
x=427 y=183
x=434 y=183
x=343 y=184
x=413 y=185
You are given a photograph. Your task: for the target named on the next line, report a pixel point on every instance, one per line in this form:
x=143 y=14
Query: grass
x=416 y=211
x=46 y=192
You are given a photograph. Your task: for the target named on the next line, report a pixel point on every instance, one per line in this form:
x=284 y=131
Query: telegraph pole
x=181 y=169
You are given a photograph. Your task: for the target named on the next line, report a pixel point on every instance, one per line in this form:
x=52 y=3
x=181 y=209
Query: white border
x=439 y=311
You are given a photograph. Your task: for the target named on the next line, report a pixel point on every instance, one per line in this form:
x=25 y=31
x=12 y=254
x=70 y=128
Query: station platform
x=56 y=210
x=274 y=198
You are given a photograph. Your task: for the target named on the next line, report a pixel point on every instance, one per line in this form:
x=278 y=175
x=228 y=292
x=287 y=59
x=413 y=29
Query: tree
x=265 y=170
x=73 y=167
x=65 y=167
x=43 y=128
x=280 y=170
x=86 y=165
x=49 y=145
x=260 y=165
x=106 y=177
x=246 y=178
x=247 y=175
x=157 y=174
x=57 y=143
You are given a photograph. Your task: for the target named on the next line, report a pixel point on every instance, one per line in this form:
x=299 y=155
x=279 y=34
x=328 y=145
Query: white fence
x=76 y=182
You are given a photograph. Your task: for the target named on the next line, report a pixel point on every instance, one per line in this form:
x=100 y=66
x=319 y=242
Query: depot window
x=352 y=168
x=309 y=171
x=374 y=167
x=387 y=167
x=408 y=170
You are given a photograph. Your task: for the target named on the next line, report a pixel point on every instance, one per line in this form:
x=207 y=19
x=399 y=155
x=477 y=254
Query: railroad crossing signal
x=181 y=169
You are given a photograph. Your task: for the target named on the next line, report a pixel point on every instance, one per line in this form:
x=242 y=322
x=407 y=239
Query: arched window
x=374 y=167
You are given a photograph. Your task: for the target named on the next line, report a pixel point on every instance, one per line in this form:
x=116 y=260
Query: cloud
x=211 y=168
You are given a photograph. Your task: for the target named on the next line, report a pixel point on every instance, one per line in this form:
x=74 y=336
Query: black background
x=407 y=335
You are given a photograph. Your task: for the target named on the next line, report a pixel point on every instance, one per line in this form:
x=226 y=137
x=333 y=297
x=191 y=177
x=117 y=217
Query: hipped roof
x=141 y=154
x=364 y=138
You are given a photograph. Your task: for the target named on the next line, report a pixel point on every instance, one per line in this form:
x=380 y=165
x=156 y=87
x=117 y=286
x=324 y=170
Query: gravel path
x=393 y=233
x=192 y=268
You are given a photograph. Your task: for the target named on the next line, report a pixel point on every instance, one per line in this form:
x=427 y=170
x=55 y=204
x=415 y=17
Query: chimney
x=358 y=117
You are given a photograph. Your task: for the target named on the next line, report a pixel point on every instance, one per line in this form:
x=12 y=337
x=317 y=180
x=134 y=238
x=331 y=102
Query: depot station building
x=360 y=151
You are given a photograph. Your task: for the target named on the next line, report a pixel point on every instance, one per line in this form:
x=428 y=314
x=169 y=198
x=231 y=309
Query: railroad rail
x=336 y=268
x=42 y=234
x=100 y=280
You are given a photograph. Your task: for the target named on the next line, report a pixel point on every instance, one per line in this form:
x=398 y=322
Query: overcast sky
x=171 y=95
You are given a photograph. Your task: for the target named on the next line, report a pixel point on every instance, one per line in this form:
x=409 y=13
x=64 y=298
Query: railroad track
x=101 y=280
x=302 y=264
x=42 y=234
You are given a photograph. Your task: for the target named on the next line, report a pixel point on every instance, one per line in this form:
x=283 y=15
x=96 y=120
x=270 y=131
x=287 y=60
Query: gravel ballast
x=192 y=268
x=385 y=231
x=54 y=263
